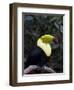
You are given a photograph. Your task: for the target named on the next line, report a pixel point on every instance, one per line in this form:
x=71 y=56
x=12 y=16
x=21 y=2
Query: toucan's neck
x=44 y=46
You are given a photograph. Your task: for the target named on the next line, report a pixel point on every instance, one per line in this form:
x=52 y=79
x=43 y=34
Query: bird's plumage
x=36 y=57
x=41 y=52
x=45 y=47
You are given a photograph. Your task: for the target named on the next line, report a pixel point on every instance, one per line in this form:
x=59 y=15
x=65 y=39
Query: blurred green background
x=36 y=25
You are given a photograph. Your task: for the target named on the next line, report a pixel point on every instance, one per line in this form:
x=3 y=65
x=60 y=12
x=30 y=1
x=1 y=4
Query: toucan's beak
x=55 y=40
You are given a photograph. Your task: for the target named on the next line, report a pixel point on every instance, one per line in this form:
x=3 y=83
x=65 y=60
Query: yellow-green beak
x=47 y=38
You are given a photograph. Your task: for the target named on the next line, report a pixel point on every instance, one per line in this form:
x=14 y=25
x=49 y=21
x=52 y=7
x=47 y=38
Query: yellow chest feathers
x=45 y=47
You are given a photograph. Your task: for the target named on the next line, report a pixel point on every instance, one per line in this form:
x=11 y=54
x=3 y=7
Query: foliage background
x=36 y=25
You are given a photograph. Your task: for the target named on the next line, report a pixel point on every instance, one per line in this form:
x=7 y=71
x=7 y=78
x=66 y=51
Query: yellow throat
x=43 y=43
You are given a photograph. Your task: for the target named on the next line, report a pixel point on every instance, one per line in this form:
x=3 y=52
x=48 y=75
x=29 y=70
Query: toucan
x=39 y=56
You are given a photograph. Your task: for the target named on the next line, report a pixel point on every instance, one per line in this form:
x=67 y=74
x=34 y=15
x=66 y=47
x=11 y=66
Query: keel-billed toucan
x=39 y=55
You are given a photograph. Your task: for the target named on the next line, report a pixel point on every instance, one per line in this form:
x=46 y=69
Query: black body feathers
x=36 y=57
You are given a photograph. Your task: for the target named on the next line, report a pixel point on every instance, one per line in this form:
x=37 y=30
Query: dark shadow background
x=36 y=25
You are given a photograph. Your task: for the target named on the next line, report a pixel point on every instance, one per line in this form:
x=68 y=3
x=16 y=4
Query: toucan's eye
x=55 y=40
